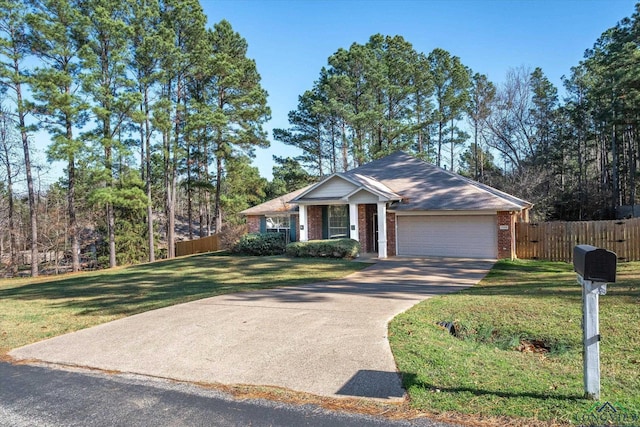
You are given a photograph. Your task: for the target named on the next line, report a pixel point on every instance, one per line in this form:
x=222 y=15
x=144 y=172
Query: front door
x=375 y=233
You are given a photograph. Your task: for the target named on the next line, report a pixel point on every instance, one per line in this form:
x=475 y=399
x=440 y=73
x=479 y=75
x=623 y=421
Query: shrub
x=338 y=248
x=261 y=244
x=230 y=235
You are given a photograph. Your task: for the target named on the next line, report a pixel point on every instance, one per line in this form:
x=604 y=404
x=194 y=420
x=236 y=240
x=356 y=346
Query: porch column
x=353 y=221
x=382 y=230
x=304 y=227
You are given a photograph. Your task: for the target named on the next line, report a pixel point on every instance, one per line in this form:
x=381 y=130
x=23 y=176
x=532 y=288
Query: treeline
x=143 y=103
x=575 y=158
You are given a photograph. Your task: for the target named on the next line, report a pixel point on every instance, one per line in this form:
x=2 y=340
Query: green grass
x=478 y=373
x=35 y=309
x=481 y=372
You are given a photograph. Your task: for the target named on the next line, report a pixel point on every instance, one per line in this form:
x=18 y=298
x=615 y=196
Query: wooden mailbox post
x=595 y=267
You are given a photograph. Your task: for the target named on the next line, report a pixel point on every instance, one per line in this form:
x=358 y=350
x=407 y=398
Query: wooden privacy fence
x=554 y=241
x=205 y=244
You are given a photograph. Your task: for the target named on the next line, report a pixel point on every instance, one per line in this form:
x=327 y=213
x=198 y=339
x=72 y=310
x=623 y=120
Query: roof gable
x=340 y=187
x=412 y=184
x=424 y=186
x=334 y=187
x=280 y=204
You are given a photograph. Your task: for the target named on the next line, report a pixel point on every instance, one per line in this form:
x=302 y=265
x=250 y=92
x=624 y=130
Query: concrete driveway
x=327 y=338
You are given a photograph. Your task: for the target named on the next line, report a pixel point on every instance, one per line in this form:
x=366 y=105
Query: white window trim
x=346 y=227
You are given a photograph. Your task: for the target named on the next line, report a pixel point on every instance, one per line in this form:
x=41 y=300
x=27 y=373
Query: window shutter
x=325 y=222
x=263 y=224
x=293 y=228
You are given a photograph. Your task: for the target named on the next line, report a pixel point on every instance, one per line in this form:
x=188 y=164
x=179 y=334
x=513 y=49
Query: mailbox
x=595 y=264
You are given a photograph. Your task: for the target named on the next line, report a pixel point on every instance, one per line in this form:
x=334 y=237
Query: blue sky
x=291 y=40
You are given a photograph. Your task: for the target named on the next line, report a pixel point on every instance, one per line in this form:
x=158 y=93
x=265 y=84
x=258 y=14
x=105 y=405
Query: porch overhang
x=340 y=189
x=351 y=190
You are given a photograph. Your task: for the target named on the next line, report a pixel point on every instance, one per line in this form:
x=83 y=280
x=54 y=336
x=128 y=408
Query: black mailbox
x=595 y=264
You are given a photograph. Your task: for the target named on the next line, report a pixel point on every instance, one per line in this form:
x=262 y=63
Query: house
x=399 y=205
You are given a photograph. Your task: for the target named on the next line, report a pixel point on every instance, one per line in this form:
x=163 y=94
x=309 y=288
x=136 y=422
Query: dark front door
x=375 y=233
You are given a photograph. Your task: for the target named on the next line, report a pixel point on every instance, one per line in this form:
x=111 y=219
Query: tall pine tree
x=14 y=48
x=56 y=26
x=104 y=57
x=241 y=104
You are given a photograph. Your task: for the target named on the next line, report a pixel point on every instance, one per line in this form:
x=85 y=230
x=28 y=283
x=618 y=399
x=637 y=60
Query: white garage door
x=452 y=236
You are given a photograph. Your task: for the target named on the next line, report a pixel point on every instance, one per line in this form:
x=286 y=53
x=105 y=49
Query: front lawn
x=518 y=349
x=34 y=309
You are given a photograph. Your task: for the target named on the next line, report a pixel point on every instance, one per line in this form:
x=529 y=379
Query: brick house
x=399 y=205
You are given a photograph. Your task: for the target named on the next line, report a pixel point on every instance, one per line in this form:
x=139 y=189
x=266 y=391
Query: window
x=338 y=221
x=279 y=224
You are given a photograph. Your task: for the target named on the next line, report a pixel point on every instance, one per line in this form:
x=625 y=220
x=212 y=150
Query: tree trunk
x=319 y=139
x=73 y=224
x=217 y=212
x=419 y=123
x=111 y=219
x=438 y=160
x=475 y=142
x=71 y=202
x=189 y=193
x=615 y=172
x=169 y=200
x=345 y=149
x=12 y=228
x=334 y=155
x=172 y=219
x=207 y=192
x=147 y=143
x=111 y=222
x=33 y=219
x=13 y=245
x=452 y=142
x=200 y=214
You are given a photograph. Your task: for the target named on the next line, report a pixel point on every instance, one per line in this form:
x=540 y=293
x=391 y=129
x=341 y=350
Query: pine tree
x=291 y=174
x=482 y=94
x=56 y=26
x=451 y=83
x=8 y=143
x=14 y=47
x=183 y=29
x=306 y=132
x=352 y=100
x=104 y=58
x=422 y=88
x=243 y=187
x=241 y=104
x=147 y=39
x=398 y=57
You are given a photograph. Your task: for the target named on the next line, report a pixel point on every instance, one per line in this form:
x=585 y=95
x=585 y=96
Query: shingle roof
x=278 y=205
x=418 y=185
x=427 y=187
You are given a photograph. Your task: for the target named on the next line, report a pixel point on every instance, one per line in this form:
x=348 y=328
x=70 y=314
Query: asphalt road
x=40 y=396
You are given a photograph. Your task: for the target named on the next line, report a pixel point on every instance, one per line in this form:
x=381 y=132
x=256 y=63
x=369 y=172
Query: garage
x=468 y=236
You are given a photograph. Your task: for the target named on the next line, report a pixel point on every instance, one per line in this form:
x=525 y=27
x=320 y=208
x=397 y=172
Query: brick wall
x=363 y=230
x=314 y=222
x=253 y=223
x=391 y=234
x=506 y=248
